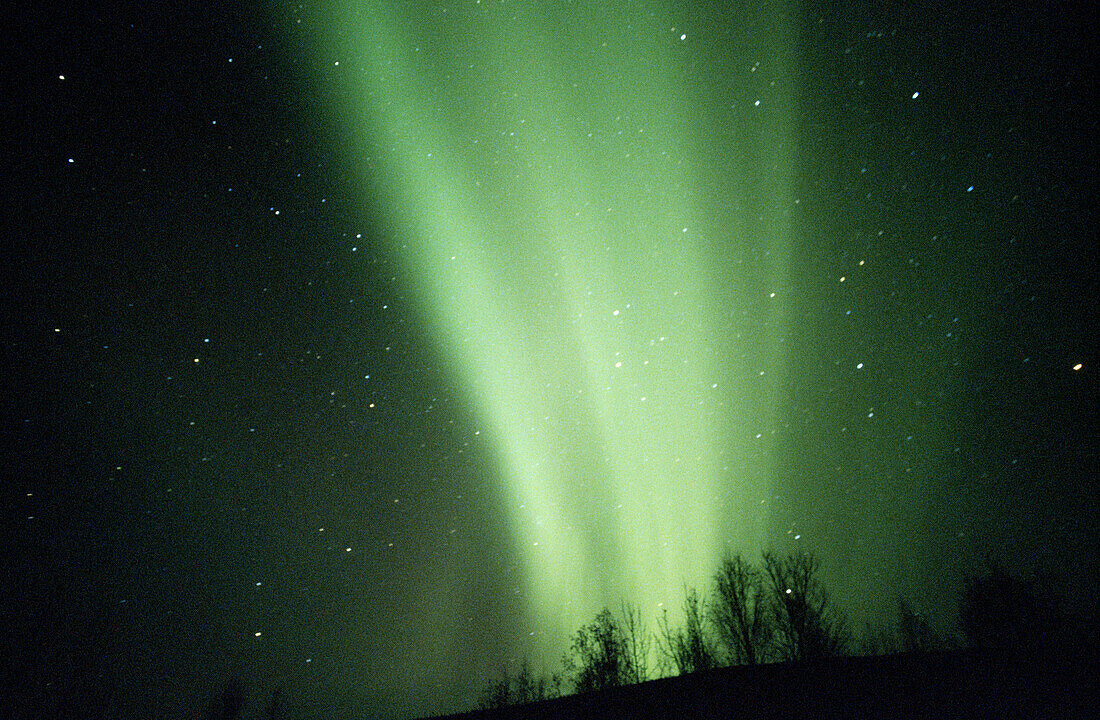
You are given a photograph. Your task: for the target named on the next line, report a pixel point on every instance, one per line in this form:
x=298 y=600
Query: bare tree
x=689 y=648
x=740 y=612
x=636 y=644
x=598 y=658
x=1006 y=616
x=525 y=687
x=915 y=633
x=498 y=693
x=878 y=639
x=807 y=625
x=529 y=688
x=274 y=707
x=910 y=632
x=229 y=703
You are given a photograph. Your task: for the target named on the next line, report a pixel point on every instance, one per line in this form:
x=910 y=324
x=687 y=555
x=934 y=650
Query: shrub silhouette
x=740 y=612
x=807 y=626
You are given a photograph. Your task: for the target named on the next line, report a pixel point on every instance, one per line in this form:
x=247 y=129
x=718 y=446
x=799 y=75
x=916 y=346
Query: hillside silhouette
x=768 y=642
x=937 y=684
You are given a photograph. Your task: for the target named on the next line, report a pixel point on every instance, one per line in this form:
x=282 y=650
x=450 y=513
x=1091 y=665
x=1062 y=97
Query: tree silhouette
x=498 y=693
x=878 y=639
x=598 y=656
x=274 y=708
x=523 y=688
x=910 y=632
x=807 y=626
x=689 y=649
x=229 y=703
x=1005 y=616
x=740 y=612
x=637 y=642
x=915 y=633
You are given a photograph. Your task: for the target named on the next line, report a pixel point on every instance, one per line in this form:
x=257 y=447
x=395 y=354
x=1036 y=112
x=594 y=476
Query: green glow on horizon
x=594 y=210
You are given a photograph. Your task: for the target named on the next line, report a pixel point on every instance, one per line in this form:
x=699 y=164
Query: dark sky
x=255 y=432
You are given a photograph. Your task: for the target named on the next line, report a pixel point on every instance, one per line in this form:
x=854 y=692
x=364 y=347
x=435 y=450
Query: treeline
x=774 y=611
x=779 y=611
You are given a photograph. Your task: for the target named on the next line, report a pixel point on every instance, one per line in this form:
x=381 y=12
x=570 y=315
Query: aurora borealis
x=558 y=208
x=364 y=349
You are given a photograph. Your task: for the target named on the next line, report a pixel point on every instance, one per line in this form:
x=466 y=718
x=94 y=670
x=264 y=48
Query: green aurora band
x=595 y=208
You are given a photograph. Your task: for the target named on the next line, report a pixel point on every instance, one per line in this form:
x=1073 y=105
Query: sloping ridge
x=912 y=685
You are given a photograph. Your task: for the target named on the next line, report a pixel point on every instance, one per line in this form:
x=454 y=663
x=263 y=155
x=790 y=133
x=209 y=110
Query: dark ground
x=924 y=685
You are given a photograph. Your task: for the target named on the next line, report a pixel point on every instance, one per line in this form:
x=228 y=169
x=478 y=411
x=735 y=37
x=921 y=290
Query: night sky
x=363 y=349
